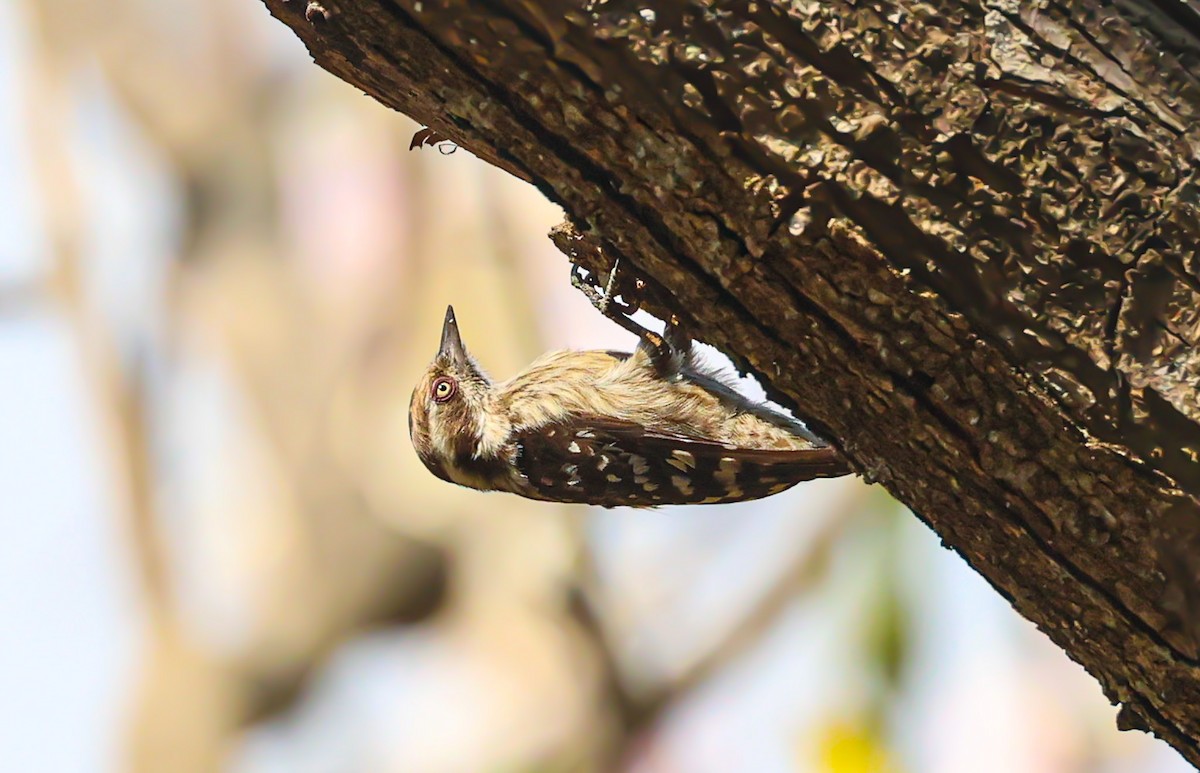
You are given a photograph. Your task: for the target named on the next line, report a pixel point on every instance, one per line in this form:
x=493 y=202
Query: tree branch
x=961 y=238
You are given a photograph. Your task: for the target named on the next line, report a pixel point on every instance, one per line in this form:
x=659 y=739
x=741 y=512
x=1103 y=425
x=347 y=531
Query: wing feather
x=603 y=461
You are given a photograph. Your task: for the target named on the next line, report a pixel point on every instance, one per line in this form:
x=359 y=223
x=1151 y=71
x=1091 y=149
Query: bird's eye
x=443 y=389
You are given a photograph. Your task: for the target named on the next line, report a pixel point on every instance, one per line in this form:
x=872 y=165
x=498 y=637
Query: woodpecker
x=647 y=428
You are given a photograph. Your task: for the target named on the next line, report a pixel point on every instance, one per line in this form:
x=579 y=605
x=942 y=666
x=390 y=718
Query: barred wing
x=601 y=461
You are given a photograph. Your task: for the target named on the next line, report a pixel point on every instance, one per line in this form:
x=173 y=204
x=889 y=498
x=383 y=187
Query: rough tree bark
x=959 y=237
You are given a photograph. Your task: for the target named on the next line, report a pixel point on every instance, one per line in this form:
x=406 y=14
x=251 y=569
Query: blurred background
x=221 y=270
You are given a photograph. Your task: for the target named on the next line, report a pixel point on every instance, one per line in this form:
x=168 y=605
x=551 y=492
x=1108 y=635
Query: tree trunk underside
x=961 y=239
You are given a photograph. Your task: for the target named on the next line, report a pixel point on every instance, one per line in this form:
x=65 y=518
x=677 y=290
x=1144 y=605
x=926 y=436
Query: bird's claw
x=668 y=350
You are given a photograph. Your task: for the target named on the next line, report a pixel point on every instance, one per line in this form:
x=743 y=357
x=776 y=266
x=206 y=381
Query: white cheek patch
x=492 y=433
x=443 y=442
x=448 y=444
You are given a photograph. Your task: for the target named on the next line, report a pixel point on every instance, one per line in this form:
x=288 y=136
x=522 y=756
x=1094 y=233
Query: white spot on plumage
x=682 y=460
x=638 y=463
x=727 y=471
x=585 y=433
x=649 y=487
x=612 y=478
x=682 y=484
x=604 y=460
x=573 y=447
x=572 y=473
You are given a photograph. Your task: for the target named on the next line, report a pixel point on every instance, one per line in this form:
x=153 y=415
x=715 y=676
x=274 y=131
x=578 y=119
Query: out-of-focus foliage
x=220 y=272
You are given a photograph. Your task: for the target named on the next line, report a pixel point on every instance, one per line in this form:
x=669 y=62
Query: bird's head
x=448 y=408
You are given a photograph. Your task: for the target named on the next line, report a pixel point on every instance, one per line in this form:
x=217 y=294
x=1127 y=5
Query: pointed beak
x=452 y=346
